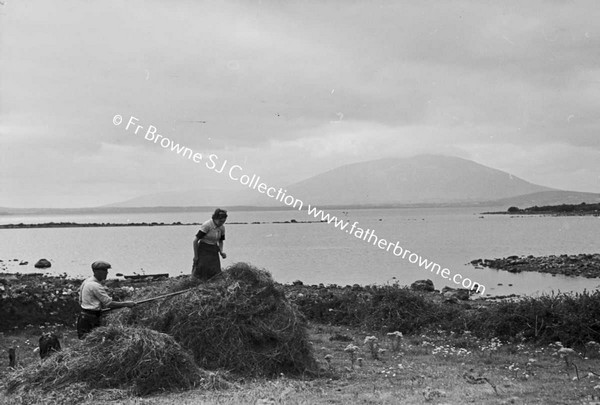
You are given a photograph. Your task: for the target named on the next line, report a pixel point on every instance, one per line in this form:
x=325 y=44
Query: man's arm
x=107 y=301
x=122 y=304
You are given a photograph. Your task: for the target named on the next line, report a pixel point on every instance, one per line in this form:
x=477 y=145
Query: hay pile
x=141 y=361
x=240 y=322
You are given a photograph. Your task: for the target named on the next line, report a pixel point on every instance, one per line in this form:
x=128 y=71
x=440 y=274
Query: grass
x=426 y=368
x=479 y=352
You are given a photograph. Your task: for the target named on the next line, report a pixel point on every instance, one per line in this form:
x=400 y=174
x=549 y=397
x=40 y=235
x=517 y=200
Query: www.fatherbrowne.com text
x=236 y=173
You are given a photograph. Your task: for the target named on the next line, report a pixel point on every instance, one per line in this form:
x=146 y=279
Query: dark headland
x=557 y=210
x=581 y=265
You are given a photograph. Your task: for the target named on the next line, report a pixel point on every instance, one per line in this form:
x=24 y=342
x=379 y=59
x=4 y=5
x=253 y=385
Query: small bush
x=569 y=318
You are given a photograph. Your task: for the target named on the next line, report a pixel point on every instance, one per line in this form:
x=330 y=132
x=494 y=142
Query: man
x=93 y=298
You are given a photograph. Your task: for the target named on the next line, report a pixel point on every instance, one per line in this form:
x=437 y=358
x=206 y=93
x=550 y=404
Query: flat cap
x=100 y=265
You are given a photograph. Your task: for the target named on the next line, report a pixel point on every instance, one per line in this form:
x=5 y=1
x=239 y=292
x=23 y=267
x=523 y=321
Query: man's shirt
x=93 y=295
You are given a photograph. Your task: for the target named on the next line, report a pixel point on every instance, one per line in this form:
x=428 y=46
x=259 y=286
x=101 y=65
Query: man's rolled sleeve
x=103 y=296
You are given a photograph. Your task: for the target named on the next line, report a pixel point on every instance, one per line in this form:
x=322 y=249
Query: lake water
x=315 y=252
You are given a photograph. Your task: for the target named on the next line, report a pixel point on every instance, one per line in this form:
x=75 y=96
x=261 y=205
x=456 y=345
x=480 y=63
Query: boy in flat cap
x=93 y=298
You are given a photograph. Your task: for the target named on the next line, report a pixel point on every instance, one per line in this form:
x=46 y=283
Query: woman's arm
x=221 y=247
x=196 y=243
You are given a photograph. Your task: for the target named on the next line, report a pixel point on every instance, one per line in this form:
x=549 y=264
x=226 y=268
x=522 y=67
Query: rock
x=42 y=264
x=455 y=293
x=422 y=285
x=23 y=263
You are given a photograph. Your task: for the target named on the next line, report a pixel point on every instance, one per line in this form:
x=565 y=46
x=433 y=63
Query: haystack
x=240 y=321
x=138 y=360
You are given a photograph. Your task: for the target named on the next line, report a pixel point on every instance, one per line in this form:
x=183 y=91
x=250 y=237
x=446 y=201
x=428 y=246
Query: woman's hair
x=220 y=214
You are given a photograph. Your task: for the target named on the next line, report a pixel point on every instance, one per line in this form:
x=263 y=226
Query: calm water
x=316 y=252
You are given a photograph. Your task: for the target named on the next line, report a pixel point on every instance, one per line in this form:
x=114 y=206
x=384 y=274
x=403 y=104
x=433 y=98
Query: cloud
x=292 y=89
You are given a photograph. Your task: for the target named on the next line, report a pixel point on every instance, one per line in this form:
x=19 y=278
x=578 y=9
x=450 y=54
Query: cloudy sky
x=289 y=89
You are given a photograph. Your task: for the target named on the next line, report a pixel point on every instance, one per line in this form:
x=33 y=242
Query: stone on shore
x=42 y=264
x=451 y=294
x=423 y=285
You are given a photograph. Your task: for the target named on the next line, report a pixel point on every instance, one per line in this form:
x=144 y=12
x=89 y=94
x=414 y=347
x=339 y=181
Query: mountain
x=419 y=180
x=425 y=179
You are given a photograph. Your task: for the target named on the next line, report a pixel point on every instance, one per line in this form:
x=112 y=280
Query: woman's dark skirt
x=208 y=264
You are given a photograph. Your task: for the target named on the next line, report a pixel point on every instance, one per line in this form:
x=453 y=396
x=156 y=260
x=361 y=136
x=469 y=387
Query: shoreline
x=121 y=224
x=543 y=214
x=585 y=265
x=43 y=299
x=561 y=210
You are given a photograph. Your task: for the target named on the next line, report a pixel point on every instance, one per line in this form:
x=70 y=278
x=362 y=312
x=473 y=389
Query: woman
x=208 y=245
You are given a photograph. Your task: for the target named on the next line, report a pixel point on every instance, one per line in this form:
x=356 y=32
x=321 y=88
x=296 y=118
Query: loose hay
x=248 y=274
x=139 y=360
x=241 y=322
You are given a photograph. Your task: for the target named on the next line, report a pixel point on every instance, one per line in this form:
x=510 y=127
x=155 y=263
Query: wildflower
x=371 y=341
x=351 y=350
x=328 y=359
x=395 y=338
x=567 y=352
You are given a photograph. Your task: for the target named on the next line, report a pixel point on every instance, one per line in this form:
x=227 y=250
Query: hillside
x=421 y=179
x=426 y=180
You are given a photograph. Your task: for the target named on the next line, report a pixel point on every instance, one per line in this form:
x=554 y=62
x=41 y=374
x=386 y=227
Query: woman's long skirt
x=208 y=264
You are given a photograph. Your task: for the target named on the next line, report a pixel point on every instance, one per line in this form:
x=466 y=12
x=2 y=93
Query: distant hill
x=553 y=197
x=426 y=179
